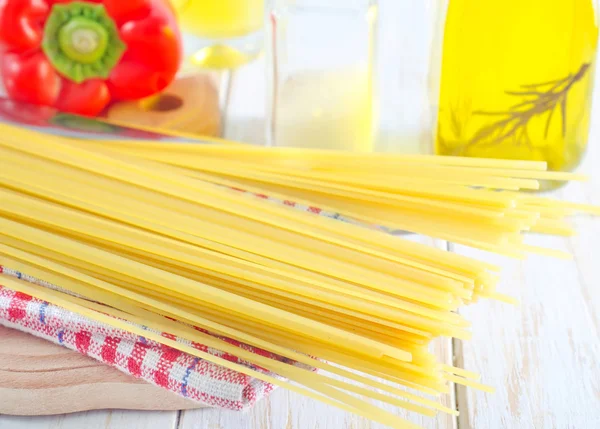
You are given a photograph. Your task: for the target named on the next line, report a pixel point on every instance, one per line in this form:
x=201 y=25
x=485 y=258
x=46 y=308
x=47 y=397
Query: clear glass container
x=517 y=79
x=227 y=33
x=408 y=69
x=321 y=74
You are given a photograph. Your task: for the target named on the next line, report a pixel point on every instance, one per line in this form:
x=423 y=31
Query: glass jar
x=320 y=66
x=517 y=80
x=408 y=69
x=227 y=33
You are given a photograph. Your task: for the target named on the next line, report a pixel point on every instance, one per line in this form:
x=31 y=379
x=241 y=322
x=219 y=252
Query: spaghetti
x=144 y=233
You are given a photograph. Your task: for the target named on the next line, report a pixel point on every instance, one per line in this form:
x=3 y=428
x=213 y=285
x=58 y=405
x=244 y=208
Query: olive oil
x=229 y=30
x=517 y=80
x=222 y=18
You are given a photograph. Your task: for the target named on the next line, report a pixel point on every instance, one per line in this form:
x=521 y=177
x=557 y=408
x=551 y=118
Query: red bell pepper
x=77 y=56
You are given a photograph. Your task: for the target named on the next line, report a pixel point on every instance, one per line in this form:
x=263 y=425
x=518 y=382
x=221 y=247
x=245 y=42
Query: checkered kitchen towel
x=158 y=364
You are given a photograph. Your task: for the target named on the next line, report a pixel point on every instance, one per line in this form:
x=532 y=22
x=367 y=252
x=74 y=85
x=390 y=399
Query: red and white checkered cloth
x=163 y=366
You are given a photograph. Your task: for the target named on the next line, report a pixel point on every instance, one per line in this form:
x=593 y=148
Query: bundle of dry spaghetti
x=154 y=235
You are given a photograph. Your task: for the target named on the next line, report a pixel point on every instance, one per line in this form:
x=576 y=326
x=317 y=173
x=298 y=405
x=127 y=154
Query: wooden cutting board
x=41 y=378
x=189 y=105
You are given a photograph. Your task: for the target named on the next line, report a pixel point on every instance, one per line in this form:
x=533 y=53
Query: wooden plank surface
x=543 y=357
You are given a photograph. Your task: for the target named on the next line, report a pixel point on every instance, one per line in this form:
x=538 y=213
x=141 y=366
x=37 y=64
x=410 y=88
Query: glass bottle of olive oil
x=516 y=80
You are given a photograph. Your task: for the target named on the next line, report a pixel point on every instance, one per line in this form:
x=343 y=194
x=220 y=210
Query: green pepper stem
x=82 y=41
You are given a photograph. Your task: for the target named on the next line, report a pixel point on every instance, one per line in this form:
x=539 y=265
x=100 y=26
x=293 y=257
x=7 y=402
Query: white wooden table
x=543 y=357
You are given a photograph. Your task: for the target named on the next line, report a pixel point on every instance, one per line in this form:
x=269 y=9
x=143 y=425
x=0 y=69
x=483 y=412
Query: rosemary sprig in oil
x=536 y=100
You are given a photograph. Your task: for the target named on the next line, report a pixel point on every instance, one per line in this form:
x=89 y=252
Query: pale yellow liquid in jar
x=327 y=110
x=517 y=80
